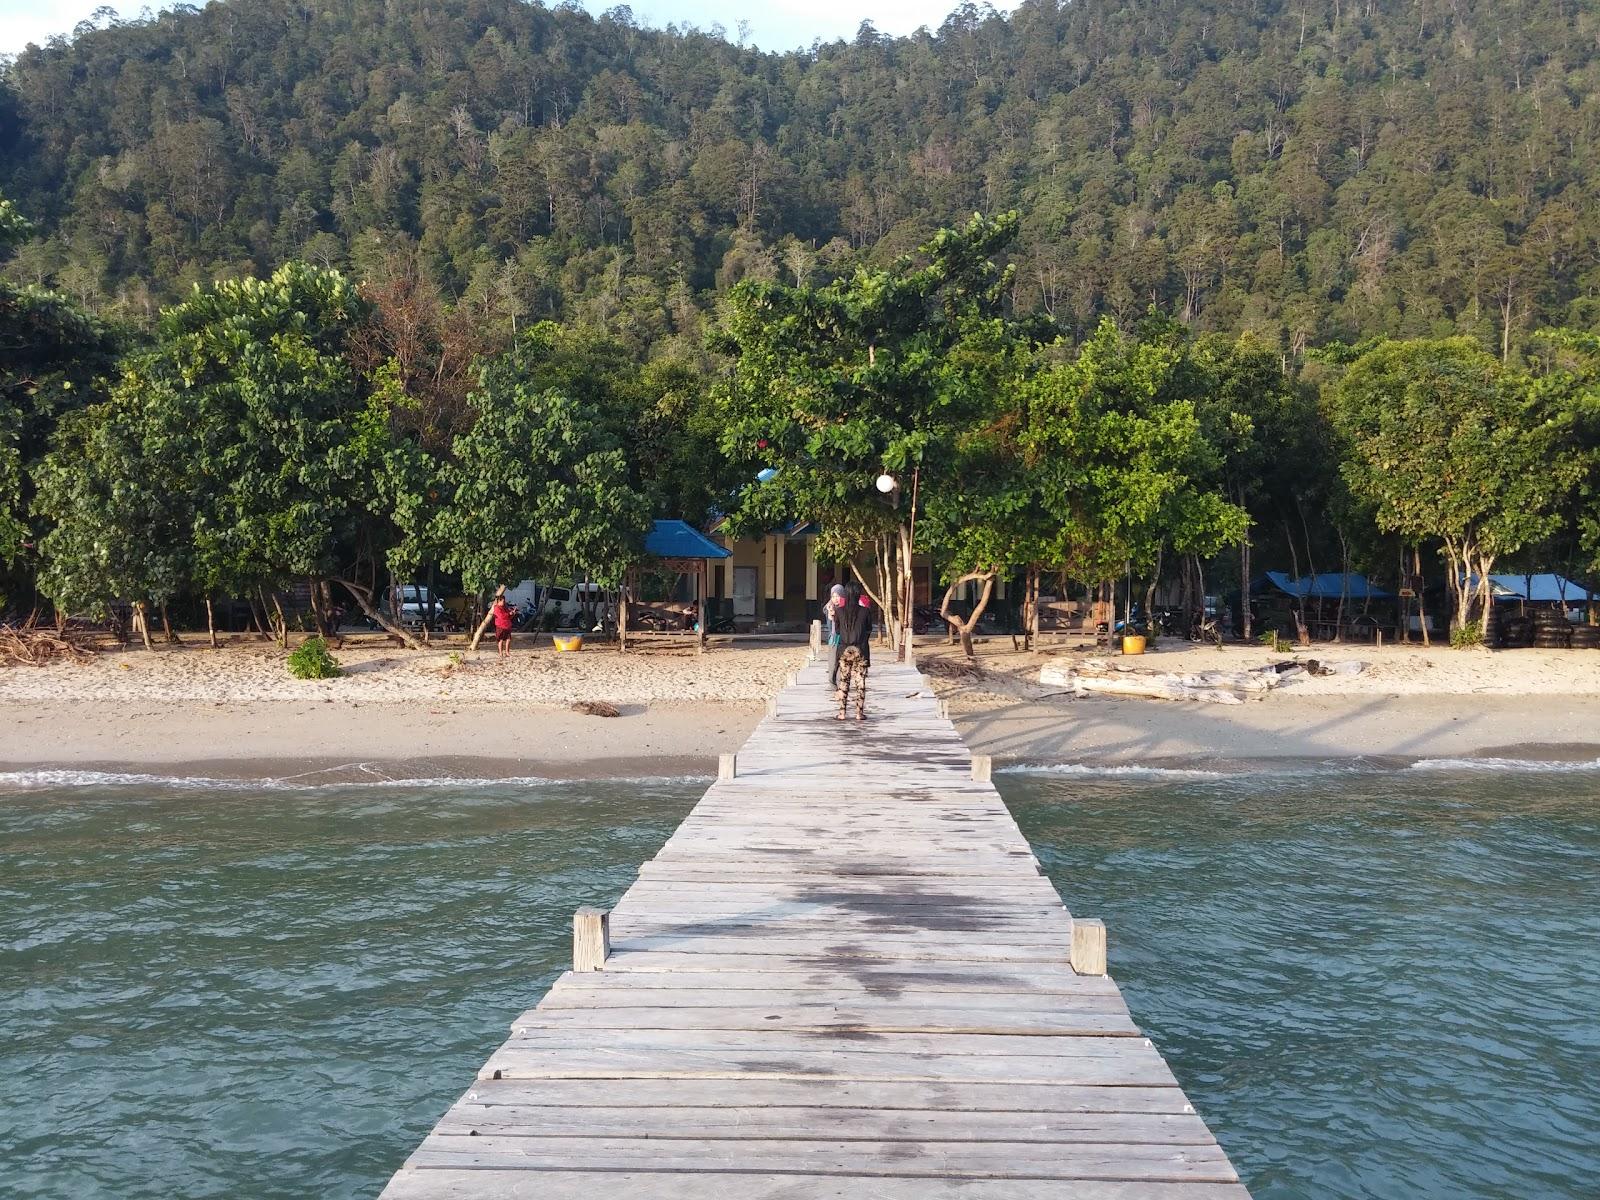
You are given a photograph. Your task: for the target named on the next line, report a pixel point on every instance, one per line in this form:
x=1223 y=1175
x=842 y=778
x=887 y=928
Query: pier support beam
x=982 y=767
x=727 y=767
x=1088 y=946
x=591 y=938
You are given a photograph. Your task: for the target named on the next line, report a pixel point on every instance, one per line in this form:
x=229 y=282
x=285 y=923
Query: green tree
x=882 y=372
x=116 y=493
x=1117 y=447
x=296 y=467
x=538 y=487
x=1444 y=443
x=52 y=359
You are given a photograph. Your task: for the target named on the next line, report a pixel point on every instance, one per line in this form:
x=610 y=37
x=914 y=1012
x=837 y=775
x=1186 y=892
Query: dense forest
x=1308 y=170
x=343 y=296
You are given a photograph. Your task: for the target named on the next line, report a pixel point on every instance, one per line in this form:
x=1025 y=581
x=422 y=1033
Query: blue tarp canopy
x=1548 y=588
x=679 y=539
x=1323 y=587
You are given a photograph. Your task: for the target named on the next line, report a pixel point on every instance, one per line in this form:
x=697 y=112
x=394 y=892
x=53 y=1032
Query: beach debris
x=950 y=668
x=35 y=645
x=596 y=708
x=1099 y=677
x=1347 y=667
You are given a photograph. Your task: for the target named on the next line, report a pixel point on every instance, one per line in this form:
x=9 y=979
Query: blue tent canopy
x=679 y=539
x=1547 y=588
x=1323 y=587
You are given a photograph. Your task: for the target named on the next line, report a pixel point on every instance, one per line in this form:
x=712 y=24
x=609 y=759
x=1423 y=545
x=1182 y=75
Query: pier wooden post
x=1088 y=946
x=591 y=938
x=982 y=767
x=772 y=707
x=816 y=639
x=727 y=767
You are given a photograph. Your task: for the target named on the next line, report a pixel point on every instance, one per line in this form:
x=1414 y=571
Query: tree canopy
x=1309 y=173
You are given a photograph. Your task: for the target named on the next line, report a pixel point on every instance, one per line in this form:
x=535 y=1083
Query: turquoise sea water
x=1372 y=984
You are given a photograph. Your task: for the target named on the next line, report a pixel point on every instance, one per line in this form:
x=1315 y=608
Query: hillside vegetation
x=1311 y=171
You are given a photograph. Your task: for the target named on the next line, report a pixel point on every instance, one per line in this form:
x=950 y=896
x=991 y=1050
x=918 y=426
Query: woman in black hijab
x=854 y=623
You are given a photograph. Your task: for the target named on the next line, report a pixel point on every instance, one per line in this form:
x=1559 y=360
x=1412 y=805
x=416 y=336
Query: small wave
x=1531 y=765
x=42 y=779
x=1109 y=769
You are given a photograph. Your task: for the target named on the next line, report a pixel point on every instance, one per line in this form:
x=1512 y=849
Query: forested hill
x=1312 y=169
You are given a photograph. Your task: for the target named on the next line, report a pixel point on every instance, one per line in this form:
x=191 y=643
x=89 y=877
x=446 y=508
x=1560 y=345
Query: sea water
x=1377 y=984
x=1372 y=984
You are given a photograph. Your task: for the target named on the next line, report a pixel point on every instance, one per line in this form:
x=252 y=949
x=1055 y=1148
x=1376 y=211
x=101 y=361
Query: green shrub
x=312 y=661
x=1276 y=642
x=1465 y=637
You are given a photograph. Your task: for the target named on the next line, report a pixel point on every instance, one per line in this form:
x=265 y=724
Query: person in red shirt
x=504 y=617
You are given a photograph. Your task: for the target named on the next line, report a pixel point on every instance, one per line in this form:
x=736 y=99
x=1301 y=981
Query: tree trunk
x=317 y=618
x=141 y=622
x=1301 y=631
x=1486 y=594
x=477 y=634
x=172 y=639
x=1422 y=608
x=965 y=627
x=1344 y=586
x=363 y=599
x=282 y=622
x=1030 y=603
x=1245 y=622
x=211 y=623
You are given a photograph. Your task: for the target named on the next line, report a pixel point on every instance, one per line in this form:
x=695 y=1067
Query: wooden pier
x=843 y=976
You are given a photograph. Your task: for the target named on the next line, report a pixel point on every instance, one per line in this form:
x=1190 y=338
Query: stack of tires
x=1516 y=631
x=1551 y=629
x=1586 y=637
x=1493 y=636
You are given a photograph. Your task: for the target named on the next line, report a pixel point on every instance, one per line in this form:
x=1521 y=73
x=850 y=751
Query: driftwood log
x=1097 y=677
x=36 y=645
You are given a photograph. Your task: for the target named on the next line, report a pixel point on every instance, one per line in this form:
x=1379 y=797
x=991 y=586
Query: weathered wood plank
x=827 y=1124
x=937 y=1160
x=753 y=1093
x=905 y=1018
x=723 y=1184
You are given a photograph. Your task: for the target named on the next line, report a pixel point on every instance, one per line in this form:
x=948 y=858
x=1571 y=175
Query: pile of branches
x=34 y=645
x=950 y=668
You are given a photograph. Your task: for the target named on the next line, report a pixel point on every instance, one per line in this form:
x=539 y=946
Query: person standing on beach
x=830 y=612
x=854 y=622
x=504 y=618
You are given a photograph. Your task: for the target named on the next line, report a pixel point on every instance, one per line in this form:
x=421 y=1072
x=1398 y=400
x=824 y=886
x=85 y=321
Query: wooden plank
x=725 y=1184
x=885 y=980
x=827 y=1124
x=945 y=1046
x=905 y=1018
x=937 y=1160
x=546 y=1060
x=753 y=1094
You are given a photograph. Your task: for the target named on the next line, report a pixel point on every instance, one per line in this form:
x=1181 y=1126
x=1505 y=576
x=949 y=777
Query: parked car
x=419 y=606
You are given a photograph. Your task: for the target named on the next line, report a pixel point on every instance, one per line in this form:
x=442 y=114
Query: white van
x=531 y=596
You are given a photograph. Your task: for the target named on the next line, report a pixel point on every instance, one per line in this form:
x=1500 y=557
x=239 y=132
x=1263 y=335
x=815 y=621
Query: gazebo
x=672 y=546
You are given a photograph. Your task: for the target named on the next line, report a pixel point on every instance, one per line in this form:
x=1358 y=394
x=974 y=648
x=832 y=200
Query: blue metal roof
x=679 y=539
x=1324 y=587
x=1542 y=588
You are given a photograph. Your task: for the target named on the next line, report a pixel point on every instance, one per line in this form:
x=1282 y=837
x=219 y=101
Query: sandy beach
x=236 y=712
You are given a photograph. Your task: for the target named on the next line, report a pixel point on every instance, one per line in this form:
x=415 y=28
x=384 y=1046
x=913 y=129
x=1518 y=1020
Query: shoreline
x=235 y=714
x=313 y=745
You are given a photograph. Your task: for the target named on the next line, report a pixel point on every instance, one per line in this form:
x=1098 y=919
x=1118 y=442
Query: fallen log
x=1096 y=677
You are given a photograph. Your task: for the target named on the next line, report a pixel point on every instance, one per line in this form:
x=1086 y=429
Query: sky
x=773 y=24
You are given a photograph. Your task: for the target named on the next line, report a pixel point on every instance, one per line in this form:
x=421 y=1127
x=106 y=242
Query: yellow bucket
x=575 y=642
x=1133 y=643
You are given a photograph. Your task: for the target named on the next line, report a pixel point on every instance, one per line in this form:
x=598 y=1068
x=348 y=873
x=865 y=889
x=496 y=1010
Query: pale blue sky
x=774 y=24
